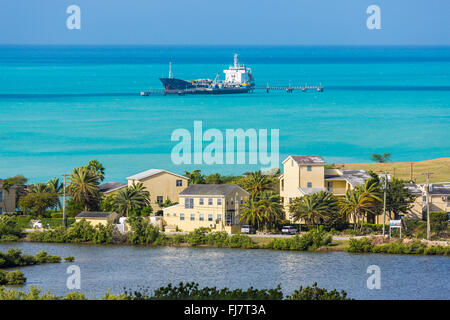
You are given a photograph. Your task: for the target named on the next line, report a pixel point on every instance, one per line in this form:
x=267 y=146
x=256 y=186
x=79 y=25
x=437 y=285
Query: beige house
x=96 y=218
x=303 y=175
x=438 y=199
x=215 y=206
x=162 y=185
x=7 y=198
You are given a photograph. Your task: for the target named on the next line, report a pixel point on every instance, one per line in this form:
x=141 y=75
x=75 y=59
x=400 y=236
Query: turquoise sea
x=62 y=106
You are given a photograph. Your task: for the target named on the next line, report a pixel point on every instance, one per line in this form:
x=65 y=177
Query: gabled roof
x=111 y=186
x=93 y=214
x=353 y=176
x=152 y=172
x=307 y=160
x=439 y=189
x=210 y=190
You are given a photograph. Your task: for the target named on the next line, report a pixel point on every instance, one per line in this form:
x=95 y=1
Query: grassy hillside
x=440 y=167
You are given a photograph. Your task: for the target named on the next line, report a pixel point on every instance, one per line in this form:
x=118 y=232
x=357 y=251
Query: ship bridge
x=237 y=74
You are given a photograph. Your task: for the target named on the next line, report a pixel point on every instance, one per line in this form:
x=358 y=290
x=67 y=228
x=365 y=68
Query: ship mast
x=236 y=63
x=170 y=70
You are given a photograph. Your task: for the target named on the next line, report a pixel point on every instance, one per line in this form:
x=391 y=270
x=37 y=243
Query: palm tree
x=56 y=186
x=39 y=188
x=314 y=206
x=361 y=201
x=83 y=186
x=255 y=183
x=132 y=197
x=251 y=213
x=263 y=209
x=97 y=168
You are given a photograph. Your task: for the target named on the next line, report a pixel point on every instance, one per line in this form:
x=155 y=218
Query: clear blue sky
x=212 y=22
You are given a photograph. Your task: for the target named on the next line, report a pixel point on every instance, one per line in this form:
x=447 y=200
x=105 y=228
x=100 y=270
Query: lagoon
x=132 y=267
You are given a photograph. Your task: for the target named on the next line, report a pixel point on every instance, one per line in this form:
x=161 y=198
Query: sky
x=238 y=22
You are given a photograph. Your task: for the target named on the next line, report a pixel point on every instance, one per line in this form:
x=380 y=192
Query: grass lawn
x=402 y=170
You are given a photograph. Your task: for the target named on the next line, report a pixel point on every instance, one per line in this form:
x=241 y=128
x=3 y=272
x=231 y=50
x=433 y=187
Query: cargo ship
x=238 y=79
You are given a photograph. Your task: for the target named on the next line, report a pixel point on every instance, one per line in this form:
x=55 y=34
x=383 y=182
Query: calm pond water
x=119 y=267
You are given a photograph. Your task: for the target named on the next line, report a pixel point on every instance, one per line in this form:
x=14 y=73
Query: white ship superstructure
x=238 y=75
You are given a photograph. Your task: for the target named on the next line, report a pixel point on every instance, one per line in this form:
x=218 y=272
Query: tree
x=399 y=199
x=195 y=177
x=381 y=158
x=313 y=207
x=213 y=179
x=37 y=203
x=56 y=186
x=272 y=210
x=255 y=183
x=251 y=213
x=96 y=168
x=361 y=201
x=83 y=187
x=131 y=198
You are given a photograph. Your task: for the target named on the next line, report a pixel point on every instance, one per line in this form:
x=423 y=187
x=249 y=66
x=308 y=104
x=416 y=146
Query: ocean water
x=62 y=106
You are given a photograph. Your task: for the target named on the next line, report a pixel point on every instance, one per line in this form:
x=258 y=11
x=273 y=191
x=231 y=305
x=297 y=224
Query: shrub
x=361 y=245
x=311 y=240
x=439 y=222
x=44 y=257
x=69 y=259
x=198 y=236
x=143 y=232
x=314 y=293
x=9 y=229
x=15 y=278
x=240 y=241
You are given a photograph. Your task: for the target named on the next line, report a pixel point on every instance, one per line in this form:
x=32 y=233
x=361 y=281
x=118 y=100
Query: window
x=201 y=217
x=210 y=202
x=219 y=216
x=242 y=200
x=219 y=201
x=179 y=183
x=181 y=216
x=174 y=214
x=192 y=216
x=1 y=195
x=290 y=215
x=167 y=214
x=160 y=199
x=309 y=184
x=282 y=184
x=232 y=202
x=308 y=168
x=210 y=217
x=200 y=201
x=189 y=203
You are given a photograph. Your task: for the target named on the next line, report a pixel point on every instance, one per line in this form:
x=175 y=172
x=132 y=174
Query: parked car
x=288 y=230
x=37 y=224
x=248 y=229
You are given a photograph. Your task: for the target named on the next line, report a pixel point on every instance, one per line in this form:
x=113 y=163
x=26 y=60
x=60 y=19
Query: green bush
x=314 y=293
x=9 y=229
x=69 y=259
x=12 y=278
x=79 y=232
x=44 y=257
x=439 y=222
x=312 y=240
x=198 y=236
x=143 y=232
x=361 y=245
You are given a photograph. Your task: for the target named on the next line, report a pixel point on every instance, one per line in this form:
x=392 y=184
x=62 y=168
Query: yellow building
x=7 y=198
x=215 y=206
x=162 y=185
x=304 y=175
x=438 y=199
x=95 y=218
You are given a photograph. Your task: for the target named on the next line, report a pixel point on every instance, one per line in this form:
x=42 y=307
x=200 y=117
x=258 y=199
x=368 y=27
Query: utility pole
x=411 y=172
x=384 y=201
x=427 y=192
x=64 y=200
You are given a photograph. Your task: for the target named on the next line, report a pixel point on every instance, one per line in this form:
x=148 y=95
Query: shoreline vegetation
x=15 y=258
x=145 y=234
x=185 y=291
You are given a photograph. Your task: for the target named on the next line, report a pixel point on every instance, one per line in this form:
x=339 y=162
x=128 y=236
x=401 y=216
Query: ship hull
x=182 y=87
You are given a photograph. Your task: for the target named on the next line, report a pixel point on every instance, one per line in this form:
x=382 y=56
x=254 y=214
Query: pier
x=288 y=89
